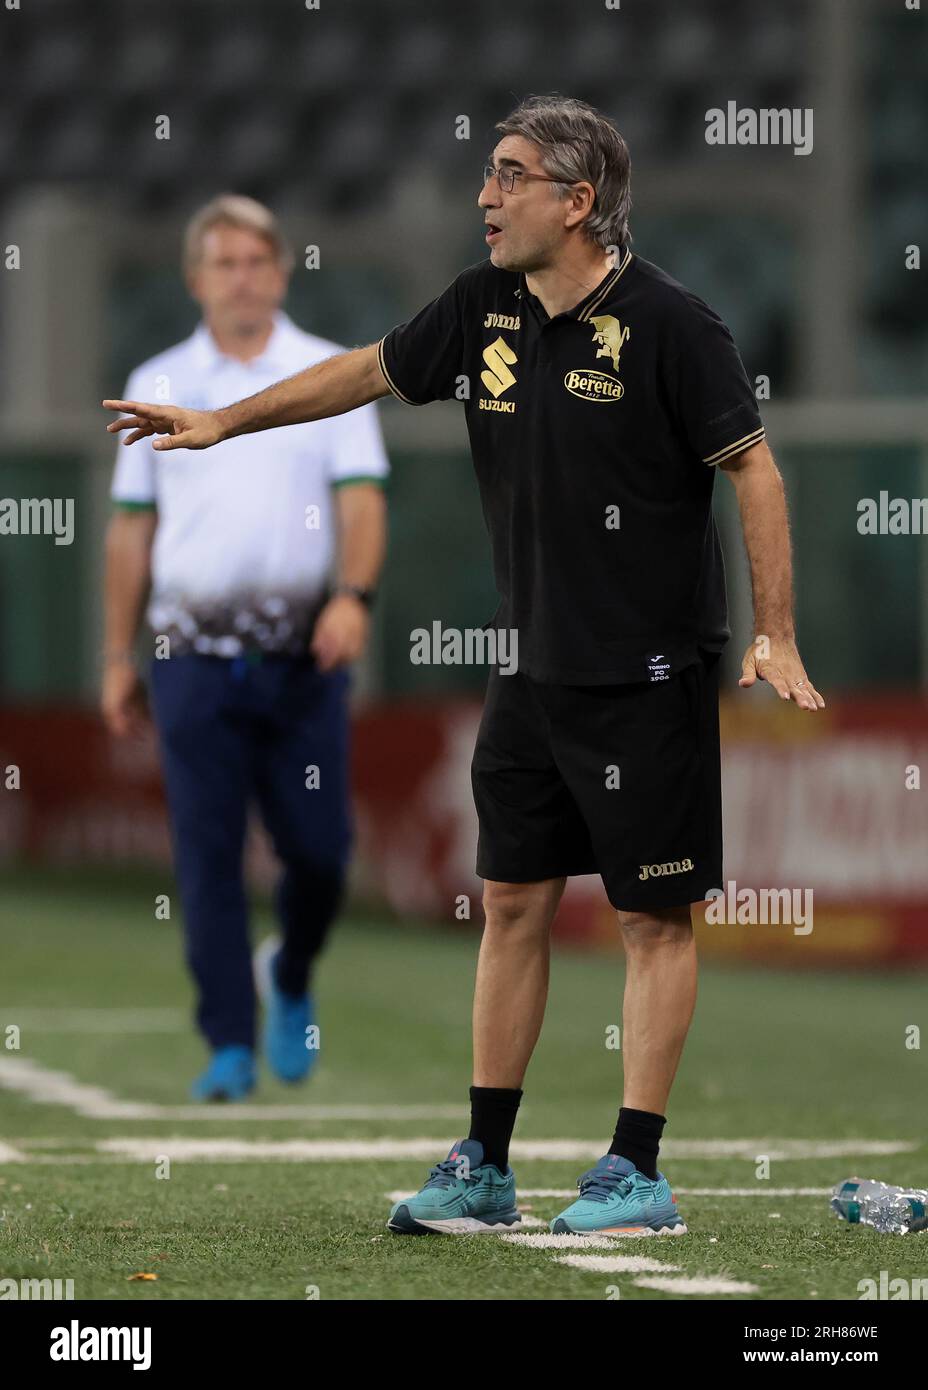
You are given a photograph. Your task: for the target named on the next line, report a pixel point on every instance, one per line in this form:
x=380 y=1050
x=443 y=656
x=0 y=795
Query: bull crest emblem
x=610 y=335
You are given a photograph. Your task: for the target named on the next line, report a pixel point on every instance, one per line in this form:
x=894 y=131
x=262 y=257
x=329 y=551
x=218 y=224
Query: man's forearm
x=362 y=538
x=330 y=388
x=765 y=524
x=126 y=583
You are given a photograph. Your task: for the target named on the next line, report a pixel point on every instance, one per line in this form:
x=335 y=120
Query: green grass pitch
x=771 y=1056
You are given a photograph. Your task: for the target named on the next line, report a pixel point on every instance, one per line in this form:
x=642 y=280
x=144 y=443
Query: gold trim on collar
x=606 y=288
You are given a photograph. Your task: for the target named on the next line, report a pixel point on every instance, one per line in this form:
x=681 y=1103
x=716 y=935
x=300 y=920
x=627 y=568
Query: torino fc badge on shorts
x=658 y=667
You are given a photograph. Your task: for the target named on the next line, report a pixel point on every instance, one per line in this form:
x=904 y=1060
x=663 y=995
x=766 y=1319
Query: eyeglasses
x=507 y=177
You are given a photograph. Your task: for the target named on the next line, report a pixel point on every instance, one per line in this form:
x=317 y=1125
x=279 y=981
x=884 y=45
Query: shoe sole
x=402 y=1223
x=221 y=1097
x=560 y=1228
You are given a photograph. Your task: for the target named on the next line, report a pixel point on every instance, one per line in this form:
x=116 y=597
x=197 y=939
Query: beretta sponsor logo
x=594 y=386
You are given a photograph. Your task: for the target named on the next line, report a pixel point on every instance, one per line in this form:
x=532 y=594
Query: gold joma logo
x=678 y=866
x=502 y=321
x=499 y=357
x=610 y=335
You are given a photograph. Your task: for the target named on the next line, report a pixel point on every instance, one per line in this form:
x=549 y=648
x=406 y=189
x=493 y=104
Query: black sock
x=493 y=1111
x=638 y=1138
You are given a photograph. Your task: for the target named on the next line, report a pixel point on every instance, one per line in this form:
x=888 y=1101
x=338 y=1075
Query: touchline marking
x=37 y=1083
x=40 y=1084
x=782 y=1148
x=697 y=1285
x=351 y=1151
x=8 y=1154
x=565 y=1242
x=758 y=1191
x=613 y=1264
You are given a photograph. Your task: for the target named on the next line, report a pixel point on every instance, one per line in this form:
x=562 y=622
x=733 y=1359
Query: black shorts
x=620 y=780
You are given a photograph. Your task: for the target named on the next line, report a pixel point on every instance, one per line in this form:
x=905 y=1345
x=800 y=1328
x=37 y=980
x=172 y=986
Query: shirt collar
x=208 y=356
x=596 y=297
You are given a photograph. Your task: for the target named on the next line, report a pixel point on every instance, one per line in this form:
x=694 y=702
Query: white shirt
x=246 y=530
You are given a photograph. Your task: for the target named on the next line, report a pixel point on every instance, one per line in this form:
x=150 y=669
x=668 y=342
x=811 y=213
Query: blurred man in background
x=261 y=570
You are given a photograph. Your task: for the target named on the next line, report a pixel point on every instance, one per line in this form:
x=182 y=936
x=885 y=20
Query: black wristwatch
x=365 y=596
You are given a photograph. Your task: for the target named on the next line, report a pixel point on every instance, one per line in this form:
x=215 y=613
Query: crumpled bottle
x=889 y=1210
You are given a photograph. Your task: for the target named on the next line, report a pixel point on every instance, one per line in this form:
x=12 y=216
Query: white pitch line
x=285 y=1150
x=782 y=1148
x=46 y=1087
x=308 y=1150
x=562 y=1242
x=697 y=1285
x=613 y=1264
x=99 y=1020
x=38 y=1083
x=8 y=1154
x=758 y=1191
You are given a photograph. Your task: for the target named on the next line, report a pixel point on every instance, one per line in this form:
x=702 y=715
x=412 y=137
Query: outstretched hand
x=176 y=427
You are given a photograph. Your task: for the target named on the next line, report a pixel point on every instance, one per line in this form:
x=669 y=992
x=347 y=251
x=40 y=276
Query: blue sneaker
x=286 y=1018
x=229 y=1076
x=463 y=1197
x=617 y=1200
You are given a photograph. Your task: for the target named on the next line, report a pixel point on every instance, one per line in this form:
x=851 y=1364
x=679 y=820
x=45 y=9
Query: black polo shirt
x=594 y=434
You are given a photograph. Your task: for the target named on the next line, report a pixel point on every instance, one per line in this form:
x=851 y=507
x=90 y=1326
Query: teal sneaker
x=287 y=1018
x=229 y=1076
x=617 y=1200
x=463 y=1197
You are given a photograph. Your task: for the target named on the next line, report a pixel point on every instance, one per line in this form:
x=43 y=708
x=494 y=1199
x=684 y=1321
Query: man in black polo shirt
x=600 y=395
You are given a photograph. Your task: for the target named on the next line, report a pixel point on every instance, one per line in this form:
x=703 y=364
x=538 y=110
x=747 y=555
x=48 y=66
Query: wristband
x=365 y=596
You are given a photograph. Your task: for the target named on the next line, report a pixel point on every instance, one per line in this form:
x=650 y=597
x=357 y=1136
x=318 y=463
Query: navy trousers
x=235 y=732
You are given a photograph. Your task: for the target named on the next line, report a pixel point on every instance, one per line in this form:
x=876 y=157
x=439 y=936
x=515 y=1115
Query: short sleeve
x=134 y=476
x=421 y=360
x=356 y=452
x=716 y=407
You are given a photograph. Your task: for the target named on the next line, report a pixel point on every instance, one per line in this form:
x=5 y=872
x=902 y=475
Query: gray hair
x=235 y=210
x=579 y=144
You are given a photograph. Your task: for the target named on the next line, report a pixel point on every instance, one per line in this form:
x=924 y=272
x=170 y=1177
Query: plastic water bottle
x=889 y=1210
